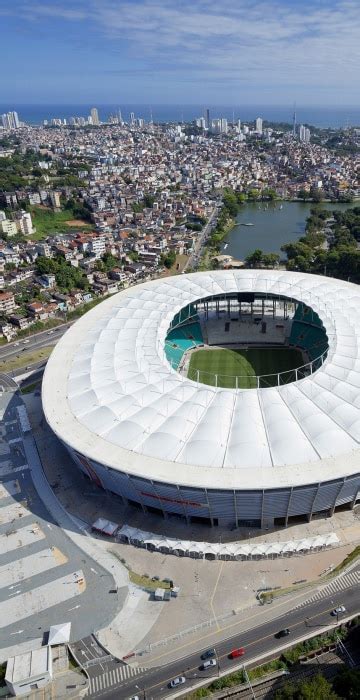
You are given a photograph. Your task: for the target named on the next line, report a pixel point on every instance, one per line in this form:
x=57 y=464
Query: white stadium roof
x=109 y=392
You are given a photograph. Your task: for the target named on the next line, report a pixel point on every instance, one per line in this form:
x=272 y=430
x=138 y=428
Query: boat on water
x=225 y=246
x=247 y=224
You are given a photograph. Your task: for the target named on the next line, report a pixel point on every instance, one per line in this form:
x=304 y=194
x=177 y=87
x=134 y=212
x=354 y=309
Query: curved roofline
x=336 y=303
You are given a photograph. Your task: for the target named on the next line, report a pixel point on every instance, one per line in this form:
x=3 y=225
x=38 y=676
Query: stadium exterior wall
x=142 y=431
x=248 y=508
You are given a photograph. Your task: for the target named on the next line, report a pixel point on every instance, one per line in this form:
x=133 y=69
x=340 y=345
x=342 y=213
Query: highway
x=33 y=342
x=194 y=258
x=260 y=641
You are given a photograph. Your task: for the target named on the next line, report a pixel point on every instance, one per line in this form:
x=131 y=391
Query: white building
x=25 y=223
x=8 y=227
x=10 y=120
x=259 y=125
x=98 y=246
x=304 y=134
x=55 y=199
x=29 y=671
x=94 y=116
x=224 y=126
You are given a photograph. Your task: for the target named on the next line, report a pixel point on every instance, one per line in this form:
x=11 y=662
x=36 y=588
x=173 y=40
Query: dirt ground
x=77 y=222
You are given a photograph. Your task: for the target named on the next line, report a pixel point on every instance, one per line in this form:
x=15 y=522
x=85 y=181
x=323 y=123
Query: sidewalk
x=138 y=614
x=126 y=631
x=69 y=524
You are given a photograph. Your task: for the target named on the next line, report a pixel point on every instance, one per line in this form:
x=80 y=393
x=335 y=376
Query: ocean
x=336 y=116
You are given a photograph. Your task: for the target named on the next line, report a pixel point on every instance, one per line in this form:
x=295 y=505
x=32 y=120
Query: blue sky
x=180 y=51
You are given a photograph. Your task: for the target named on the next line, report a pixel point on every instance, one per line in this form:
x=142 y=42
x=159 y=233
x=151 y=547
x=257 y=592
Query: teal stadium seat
x=181 y=339
x=308 y=332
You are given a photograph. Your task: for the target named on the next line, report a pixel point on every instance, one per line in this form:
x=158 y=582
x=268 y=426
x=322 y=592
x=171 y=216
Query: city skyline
x=247 y=53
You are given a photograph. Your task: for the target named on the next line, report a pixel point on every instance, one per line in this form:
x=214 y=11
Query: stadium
x=226 y=397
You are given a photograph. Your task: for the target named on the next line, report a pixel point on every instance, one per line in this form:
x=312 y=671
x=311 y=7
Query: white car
x=339 y=610
x=134 y=697
x=208 y=664
x=177 y=681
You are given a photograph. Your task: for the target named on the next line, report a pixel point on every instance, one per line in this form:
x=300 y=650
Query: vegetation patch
x=48 y=222
x=25 y=358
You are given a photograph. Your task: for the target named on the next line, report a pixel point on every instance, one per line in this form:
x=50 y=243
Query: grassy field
x=243 y=364
x=25 y=358
x=48 y=222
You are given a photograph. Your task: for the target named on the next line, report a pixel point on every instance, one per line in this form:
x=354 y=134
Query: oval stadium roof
x=109 y=392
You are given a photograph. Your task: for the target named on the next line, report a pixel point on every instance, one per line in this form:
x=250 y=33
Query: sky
x=180 y=51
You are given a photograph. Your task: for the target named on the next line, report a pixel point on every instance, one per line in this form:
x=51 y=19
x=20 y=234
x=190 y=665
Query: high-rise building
x=201 y=123
x=304 y=134
x=132 y=118
x=224 y=126
x=216 y=126
x=10 y=120
x=208 y=119
x=94 y=116
x=259 y=125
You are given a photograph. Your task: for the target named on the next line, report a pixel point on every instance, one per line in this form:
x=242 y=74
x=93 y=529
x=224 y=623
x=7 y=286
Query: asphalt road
x=257 y=642
x=33 y=342
x=194 y=258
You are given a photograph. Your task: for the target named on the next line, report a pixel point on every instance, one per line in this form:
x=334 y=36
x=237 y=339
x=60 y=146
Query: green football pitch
x=240 y=368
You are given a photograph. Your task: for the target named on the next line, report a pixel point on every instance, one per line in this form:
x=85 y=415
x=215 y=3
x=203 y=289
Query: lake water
x=275 y=223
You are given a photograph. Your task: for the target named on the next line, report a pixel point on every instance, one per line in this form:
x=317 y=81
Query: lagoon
x=275 y=223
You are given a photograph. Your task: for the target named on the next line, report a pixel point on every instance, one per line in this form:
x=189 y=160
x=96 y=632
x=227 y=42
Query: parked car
x=282 y=633
x=177 y=681
x=339 y=610
x=208 y=664
x=235 y=653
x=208 y=654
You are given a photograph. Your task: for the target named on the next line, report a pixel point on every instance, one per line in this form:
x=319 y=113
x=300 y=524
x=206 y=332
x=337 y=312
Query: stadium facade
x=269 y=455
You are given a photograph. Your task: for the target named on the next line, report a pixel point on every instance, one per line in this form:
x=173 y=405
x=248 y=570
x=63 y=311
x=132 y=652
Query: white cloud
x=276 y=42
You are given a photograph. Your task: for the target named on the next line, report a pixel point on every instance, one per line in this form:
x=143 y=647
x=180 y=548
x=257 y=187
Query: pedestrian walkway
x=113 y=677
x=340 y=584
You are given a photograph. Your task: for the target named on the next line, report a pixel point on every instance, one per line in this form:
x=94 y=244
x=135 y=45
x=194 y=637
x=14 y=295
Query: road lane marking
x=255 y=641
x=227 y=627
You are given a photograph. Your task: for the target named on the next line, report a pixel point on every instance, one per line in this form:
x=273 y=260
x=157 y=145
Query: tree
x=269 y=193
x=270 y=260
x=303 y=194
x=255 y=258
x=168 y=260
x=316 y=194
x=347 y=684
x=149 y=200
x=316 y=688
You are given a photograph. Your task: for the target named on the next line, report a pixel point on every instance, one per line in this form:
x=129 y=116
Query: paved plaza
x=45 y=578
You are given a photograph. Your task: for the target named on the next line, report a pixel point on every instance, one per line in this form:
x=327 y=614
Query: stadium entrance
x=246 y=340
